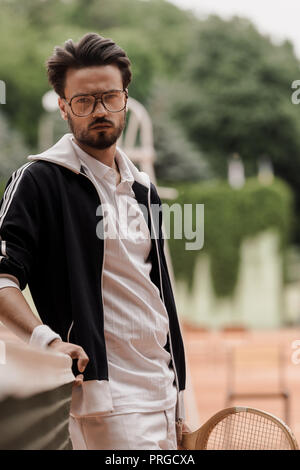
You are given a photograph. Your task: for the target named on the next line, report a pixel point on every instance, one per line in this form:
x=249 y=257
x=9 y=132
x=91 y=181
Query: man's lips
x=101 y=126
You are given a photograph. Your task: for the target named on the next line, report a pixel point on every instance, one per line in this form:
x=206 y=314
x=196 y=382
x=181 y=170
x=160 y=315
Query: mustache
x=101 y=121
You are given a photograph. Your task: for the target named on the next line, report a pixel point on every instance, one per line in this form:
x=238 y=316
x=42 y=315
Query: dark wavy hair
x=91 y=50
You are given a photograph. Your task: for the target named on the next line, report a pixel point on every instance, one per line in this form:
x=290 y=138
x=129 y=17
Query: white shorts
x=131 y=431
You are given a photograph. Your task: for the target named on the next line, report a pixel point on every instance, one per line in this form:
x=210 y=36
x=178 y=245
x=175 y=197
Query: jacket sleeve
x=19 y=225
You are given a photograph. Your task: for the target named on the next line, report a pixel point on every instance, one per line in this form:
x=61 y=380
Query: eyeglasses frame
x=96 y=100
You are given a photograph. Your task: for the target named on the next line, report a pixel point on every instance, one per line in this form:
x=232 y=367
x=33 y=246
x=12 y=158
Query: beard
x=97 y=138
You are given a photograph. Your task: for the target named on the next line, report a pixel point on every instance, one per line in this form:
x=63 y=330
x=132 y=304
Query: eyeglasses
x=113 y=101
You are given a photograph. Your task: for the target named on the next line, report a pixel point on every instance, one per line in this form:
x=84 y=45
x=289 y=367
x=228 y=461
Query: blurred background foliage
x=231 y=217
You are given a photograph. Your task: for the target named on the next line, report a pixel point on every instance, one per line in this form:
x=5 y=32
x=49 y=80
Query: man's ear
x=126 y=108
x=63 y=108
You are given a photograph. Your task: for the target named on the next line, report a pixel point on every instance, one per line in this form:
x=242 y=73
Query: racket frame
x=198 y=439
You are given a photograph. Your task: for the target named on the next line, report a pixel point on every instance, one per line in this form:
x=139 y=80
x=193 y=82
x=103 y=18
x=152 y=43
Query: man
x=104 y=300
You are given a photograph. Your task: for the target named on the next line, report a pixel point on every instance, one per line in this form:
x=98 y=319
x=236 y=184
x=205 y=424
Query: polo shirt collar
x=100 y=169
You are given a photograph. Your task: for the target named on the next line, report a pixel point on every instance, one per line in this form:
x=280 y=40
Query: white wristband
x=42 y=335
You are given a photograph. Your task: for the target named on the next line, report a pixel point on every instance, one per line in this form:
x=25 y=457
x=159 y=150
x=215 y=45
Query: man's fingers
x=82 y=363
x=78 y=353
x=78 y=380
x=75 y=352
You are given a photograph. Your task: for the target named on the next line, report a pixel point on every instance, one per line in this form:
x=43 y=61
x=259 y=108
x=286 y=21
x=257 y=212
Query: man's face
x=95 y=79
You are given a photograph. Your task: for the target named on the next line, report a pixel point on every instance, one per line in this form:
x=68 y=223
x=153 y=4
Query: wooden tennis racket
x=241 y=428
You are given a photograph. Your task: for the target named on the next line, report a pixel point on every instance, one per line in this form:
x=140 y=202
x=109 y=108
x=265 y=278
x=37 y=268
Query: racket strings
x=246 y=430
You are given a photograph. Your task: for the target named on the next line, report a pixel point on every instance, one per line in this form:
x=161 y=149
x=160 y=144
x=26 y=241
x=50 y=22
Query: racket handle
x=189 y=440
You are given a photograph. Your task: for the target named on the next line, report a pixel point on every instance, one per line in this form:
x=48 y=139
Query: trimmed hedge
x=2 y=187
x=230 y=217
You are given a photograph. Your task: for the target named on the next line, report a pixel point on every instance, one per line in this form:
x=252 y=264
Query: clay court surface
x=255 y=356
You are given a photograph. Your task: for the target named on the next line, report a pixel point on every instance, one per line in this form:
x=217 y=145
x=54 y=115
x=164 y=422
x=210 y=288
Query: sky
x=280 y=19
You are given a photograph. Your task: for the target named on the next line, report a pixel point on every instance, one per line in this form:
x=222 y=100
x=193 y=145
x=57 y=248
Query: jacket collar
x=62 y=153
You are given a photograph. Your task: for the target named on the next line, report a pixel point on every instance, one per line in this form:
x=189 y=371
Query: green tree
x=13 y=151
x=177 y=158
x=236 y=97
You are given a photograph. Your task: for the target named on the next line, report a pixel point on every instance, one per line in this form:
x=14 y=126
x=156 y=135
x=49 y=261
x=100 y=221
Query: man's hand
x=184 y=429
x=75 y=352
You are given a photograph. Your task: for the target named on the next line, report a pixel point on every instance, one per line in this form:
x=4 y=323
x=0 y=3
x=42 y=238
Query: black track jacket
x=48 y=240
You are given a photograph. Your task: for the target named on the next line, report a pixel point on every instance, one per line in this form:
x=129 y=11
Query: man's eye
x=83 y=100
x=111 y=96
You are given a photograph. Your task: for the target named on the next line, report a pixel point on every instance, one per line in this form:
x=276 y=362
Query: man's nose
x=99 y=108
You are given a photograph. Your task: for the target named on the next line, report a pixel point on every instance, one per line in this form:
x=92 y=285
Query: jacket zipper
x=162 y=293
